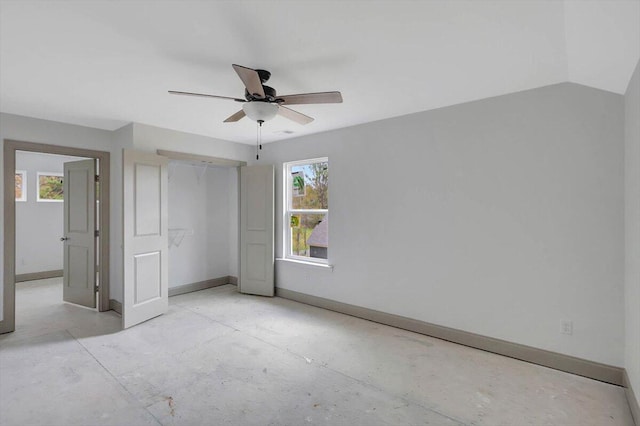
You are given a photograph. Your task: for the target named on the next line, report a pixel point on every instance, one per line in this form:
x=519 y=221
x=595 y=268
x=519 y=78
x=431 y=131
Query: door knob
x=64 y=239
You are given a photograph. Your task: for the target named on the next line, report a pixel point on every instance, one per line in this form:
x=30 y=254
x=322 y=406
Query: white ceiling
x=107 y=63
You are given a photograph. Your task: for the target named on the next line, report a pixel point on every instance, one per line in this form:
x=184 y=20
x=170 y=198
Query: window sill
x=302 y=262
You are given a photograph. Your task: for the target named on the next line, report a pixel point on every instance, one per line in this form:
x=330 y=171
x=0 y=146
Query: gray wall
x=39 y=225
x=632 y=230
x=202 y=206
x=500 y=217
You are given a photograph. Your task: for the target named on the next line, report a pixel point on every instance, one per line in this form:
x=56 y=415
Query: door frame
x=9 y=164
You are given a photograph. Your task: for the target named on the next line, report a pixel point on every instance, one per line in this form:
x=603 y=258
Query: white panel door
x=146 y=292
x=79 y=257
x=256 y=230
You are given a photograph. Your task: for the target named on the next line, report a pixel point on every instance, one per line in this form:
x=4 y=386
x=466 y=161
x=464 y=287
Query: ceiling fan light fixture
x=260 y=111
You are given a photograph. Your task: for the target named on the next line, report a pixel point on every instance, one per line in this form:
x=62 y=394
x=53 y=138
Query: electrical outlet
x=566 y=327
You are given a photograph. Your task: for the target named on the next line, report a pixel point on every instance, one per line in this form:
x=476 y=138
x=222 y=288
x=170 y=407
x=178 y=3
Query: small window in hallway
x=21 y=185
x=50 y=186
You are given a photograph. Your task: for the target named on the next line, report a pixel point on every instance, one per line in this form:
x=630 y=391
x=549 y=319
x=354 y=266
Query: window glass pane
x=309 y=235
x=50 y=187
x=310 y=186
x=20 y=194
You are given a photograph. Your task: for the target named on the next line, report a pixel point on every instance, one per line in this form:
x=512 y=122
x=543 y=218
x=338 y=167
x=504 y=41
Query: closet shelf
x=176 y=235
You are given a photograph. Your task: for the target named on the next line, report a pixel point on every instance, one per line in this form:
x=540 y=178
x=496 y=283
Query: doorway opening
x=203 y=216
x=72 y=204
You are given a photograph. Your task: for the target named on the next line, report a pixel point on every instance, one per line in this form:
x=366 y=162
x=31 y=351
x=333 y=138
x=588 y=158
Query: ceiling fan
x=261 y=103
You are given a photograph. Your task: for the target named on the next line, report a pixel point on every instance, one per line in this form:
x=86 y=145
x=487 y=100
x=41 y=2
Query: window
x=307 y=210
x=21 y=185
x=50 y=187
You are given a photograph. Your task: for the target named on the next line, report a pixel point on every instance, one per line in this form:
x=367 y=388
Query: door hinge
x=97 y=178
x=96 y=288
x=97 y=233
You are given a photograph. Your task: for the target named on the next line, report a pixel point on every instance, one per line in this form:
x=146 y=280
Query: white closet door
x=256 y=230
x=146 y=293
x=79 y=257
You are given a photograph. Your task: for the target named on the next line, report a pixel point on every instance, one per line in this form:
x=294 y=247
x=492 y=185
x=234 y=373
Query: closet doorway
x=216 y=241
x=203 y=215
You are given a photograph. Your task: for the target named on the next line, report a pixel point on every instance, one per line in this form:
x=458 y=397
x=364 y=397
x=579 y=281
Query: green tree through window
x=307 y=209
x=50 y=187
x=21 y=189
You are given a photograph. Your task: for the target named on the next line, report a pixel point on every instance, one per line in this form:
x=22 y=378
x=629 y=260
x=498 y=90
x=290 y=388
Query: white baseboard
x=202 y=285
x=38 y=275
x=115 y=306
x=582 y=367
x=187 y=288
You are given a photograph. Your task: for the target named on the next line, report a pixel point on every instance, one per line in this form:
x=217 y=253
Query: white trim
x=307 y=259
x=307 y=161
x=307 y=263
x=25 y=185
x=201 y=285
x=38 y=174
x=288 y=211
x=309 y=211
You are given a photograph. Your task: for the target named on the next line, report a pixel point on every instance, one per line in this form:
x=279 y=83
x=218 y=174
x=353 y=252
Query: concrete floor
x=218 y=358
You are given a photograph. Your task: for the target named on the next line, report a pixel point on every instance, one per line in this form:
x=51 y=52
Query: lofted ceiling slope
x=105 y=63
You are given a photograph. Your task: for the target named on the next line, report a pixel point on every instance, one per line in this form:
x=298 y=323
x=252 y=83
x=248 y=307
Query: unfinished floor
x=219 y=357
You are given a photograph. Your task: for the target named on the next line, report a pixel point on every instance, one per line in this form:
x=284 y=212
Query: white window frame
x=23 y=173
x=289 y=211
x=40 y=200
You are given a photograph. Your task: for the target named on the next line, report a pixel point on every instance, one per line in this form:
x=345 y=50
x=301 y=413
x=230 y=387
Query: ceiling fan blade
x=173 y=92
x=296 y=116
x=235 y=117
x=312 y=98
x=251 y=80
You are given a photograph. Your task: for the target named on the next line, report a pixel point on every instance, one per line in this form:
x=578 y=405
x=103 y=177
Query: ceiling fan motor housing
x=269 y=95
x=264 y=75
